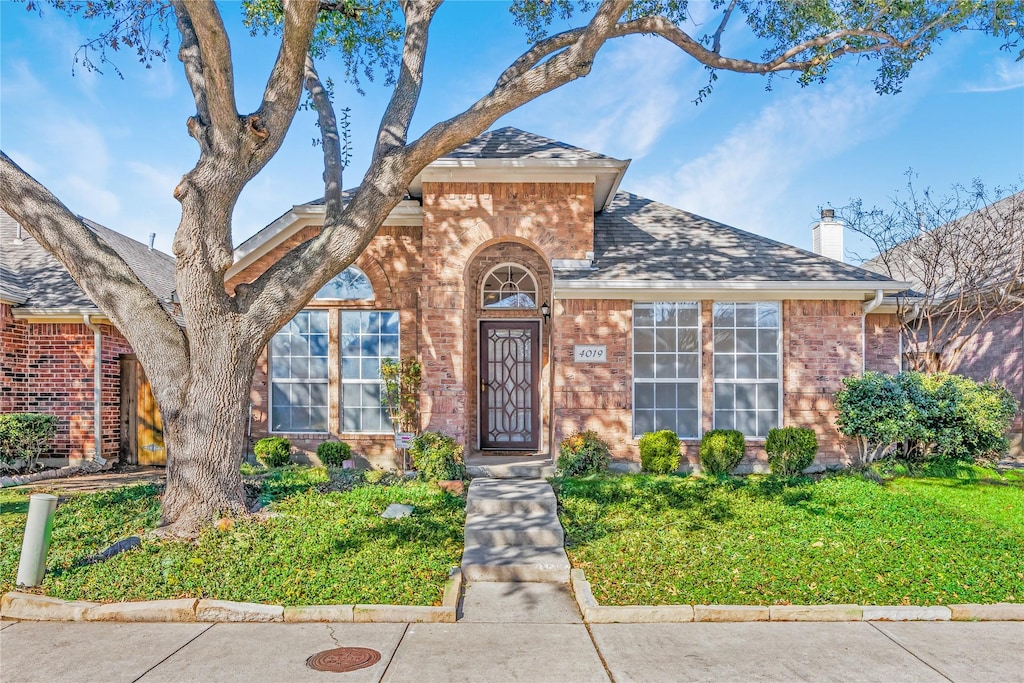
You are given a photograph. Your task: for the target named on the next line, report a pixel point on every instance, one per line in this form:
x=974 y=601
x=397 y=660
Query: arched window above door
x=350 y=284
x=509 y=286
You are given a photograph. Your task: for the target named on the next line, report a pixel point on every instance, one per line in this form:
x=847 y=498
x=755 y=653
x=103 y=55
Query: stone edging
x=21 y=479
x=594 y=613
x=31 y=607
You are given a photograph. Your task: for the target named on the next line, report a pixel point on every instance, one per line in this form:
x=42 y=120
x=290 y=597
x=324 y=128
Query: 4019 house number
x=590 y=353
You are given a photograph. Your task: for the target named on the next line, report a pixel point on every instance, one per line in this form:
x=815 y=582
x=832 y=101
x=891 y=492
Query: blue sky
x=114 y=149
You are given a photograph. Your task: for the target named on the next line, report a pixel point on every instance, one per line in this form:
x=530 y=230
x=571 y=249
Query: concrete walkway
x=988 y=652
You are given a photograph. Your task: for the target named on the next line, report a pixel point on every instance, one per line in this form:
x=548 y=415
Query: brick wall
x=821 y=346
x=48 y=368
x=596 y=396
x=882 y=347
x=392 y=264
x=460 y=221
x=997 y=352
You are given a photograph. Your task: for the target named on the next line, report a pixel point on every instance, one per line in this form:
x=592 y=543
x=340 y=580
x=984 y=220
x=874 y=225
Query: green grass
x=319 y=548
x=646 y=539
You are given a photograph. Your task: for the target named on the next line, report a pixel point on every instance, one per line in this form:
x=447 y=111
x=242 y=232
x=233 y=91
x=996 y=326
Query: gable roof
x=33 y=279
x=513 y=143
x=638 y=242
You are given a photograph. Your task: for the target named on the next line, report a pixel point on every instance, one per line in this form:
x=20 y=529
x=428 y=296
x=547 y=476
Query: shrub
x=583 y=453
x=25 y=436
x=659 y=452
x=919 y=417
x=333 y=453
x=437 y=456
x=721 y=451
x=273 y=451
x=790 y=450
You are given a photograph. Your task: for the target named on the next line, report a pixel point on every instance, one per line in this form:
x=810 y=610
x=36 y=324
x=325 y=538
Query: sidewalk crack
x=189 y=642
x=909 y=651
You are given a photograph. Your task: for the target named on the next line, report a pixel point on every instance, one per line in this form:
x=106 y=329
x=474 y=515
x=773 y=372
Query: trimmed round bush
x=659 y=452
x=582 y=454
x=273 y=451
x=437 y=456
x=721 y=451
x=333 y=453
x=791 y=450
x=24 y=437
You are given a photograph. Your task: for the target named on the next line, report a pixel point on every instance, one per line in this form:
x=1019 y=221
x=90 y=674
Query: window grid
x=747 y=367
x=666 y=368
x=298 y=374
x=509 y=286
x=367 y=337
x=350 y=284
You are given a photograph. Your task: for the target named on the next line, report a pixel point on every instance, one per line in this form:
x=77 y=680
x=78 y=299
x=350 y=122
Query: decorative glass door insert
x=509 y=391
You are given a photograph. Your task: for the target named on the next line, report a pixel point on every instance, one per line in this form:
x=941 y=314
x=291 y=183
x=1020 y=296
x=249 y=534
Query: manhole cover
x=343 y=659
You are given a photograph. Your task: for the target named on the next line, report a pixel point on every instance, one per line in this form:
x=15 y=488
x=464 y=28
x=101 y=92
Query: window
x=298 y=375
x=510 y=286
x=747 y=384
x=367 y=337
x=666 y=368
x=350 y=284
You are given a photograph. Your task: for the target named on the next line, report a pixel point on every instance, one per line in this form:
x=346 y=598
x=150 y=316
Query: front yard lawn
x=318 y=548
x=656 y=540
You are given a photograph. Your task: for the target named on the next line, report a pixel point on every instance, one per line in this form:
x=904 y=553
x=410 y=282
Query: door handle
x=483 y=386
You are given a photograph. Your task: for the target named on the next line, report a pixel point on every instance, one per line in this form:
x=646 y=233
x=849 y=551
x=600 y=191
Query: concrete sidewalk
x=987 y=652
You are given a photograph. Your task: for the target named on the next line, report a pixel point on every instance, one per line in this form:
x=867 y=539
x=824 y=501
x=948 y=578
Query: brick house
x=541 y=299
x=60 y=355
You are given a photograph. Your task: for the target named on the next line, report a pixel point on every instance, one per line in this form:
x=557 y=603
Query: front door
x=509 y=386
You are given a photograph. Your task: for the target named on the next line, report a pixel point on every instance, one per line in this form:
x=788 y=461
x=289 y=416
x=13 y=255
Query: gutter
x=97 y=389
x=868 y=306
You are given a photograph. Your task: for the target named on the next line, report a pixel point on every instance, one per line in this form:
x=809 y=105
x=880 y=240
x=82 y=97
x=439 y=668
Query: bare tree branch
x=716 y=45
x=329 y=139
x=99 y=271
x=191 y=58
x=217 y=69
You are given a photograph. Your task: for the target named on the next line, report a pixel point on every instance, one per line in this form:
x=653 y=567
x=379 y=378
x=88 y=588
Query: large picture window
x=747 y=374
x=298 y=374
x=666 y=368
x=367 y=337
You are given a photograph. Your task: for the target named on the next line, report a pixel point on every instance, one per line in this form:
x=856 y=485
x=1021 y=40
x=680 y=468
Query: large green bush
x=24 y=437
x=919 y=417
x=437 y=456
x=791 y=450
x=333 y=453
x=583 y=453
x=721 y=451
x=273 y=451
x=659 y=452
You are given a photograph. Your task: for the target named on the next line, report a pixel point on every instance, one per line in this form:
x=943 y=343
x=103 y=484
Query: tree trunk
x=206 y=440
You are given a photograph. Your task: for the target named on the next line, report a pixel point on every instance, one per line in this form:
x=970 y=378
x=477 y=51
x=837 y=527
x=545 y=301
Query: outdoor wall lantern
x=545 y=311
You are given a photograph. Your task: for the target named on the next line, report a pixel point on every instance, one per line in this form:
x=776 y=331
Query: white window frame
x=362 y=381
x=698 y=381
x=290 y=380
x=714 y=378
x=530 y=273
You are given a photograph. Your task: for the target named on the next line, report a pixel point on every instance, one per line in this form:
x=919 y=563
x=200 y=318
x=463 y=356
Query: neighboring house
x=60 y=355
x=966 y=296
x=542 y=300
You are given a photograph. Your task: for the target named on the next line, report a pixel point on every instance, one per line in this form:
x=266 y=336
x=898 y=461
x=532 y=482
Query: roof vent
x=152 y=240
x=827 y=236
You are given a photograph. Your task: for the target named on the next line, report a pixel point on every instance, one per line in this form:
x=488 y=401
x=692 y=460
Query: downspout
x=97 y=390
x=868 y=307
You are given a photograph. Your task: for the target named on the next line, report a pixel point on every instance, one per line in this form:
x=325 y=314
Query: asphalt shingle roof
x=641 y=239
x=31 y=271
x=512 y=143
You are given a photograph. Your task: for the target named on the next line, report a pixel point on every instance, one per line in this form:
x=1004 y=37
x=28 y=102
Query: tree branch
x=218 y=76
x=716 y=45
x=330 y=141
x=394 y=126
x=99 y=271
x=191 y=58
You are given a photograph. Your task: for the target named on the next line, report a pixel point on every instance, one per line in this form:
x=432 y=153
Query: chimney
x=827 y=236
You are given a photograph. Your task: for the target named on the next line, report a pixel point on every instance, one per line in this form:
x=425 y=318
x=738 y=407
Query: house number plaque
x=590 y=353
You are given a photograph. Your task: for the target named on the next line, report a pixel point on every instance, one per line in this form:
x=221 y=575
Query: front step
x=540 y=470
x=514 y=528
x=496 y=496
x=515 y=563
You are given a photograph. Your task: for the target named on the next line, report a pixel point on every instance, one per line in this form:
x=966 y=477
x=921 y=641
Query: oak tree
x=201 y=373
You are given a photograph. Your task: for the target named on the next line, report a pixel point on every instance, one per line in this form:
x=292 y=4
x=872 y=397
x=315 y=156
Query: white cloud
x=1003 y=74
x=634 y=92
x=739 y=179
